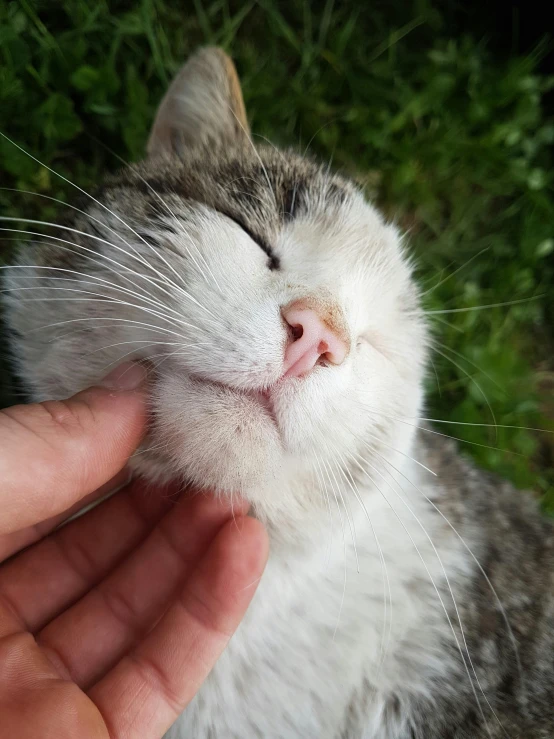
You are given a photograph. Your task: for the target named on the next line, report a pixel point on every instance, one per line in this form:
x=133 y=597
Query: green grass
x=451 y=139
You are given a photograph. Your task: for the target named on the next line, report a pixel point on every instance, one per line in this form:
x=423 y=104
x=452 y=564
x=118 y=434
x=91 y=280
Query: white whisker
x=144 y=326
x=452 y=274
x=472 y=379
x=96 y=282
x=98 y=202
x=481 y=569
x=98 y=220
x=257 y=154
x=89 y=279
x=317 y=471
x=447 y=580
x=135 y=256
x=386 y=582
x=447 y=436
x=344 y=557
x=349 y=516
x=105 y=299
x=481 y=307
x=177 y=221
x=145 y=341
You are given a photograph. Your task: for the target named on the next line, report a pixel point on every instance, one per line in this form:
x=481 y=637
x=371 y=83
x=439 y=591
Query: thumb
x=54 y=453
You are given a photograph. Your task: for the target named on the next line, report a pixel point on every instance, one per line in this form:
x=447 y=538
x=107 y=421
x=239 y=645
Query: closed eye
x=273 y=262
x=367 y=340
x=375 y=343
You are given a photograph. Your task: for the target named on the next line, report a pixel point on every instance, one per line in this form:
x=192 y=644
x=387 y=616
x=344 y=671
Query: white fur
x=314 y=657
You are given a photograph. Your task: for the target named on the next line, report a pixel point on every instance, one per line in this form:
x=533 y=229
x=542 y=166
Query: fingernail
x=128 y=376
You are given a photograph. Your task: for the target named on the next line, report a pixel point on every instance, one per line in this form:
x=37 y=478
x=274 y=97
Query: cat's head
x=279 y=305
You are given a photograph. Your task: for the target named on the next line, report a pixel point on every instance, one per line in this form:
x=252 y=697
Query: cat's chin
x=229 y=454
x=211 y=436
x=223 y=471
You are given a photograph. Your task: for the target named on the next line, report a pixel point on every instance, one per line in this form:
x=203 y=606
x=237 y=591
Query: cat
x=408 y=595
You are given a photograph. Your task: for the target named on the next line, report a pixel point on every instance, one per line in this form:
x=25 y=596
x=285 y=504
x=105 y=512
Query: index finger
x=53 y=454
x=12 y=543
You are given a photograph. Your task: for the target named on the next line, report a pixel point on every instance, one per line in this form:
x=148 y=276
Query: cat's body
x=200 y=256
x=289 y=673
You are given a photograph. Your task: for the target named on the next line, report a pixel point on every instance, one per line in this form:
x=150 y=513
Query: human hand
x=109 y=625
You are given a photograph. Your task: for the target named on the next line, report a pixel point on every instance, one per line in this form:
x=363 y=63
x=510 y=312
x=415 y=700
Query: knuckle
x=119 y=606
x=154 y=677
x=79 y=557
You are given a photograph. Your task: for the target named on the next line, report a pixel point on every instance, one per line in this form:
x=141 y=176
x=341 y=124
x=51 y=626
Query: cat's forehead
x=263 y=188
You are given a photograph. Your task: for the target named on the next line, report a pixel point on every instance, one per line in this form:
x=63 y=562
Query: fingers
x=52 y=454
x=12 y=543
x=93 y=635
x=36 y=702
x=49 y=577
x=147 y=690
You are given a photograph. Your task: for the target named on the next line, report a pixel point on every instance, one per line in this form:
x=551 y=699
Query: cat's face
x=224 y=241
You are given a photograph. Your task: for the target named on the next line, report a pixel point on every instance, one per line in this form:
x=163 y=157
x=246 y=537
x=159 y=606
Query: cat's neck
x=339 y=502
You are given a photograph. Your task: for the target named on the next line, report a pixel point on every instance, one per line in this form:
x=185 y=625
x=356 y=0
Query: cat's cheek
x=376 y=386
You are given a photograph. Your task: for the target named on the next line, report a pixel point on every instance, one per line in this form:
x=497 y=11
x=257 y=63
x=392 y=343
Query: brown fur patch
x=235 y=92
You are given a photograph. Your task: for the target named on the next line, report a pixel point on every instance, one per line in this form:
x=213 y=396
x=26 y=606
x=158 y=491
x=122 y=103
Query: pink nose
x=312 y=338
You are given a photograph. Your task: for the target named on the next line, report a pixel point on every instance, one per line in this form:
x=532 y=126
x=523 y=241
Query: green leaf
x=14 y=161
x=57 y=118
x=85 y=78
x=545 y=248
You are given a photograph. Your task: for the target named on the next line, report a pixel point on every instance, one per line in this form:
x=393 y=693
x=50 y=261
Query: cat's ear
x=203 y=104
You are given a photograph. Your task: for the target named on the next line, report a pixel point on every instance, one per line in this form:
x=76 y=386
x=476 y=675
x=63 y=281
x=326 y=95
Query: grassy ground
x=449 y=137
